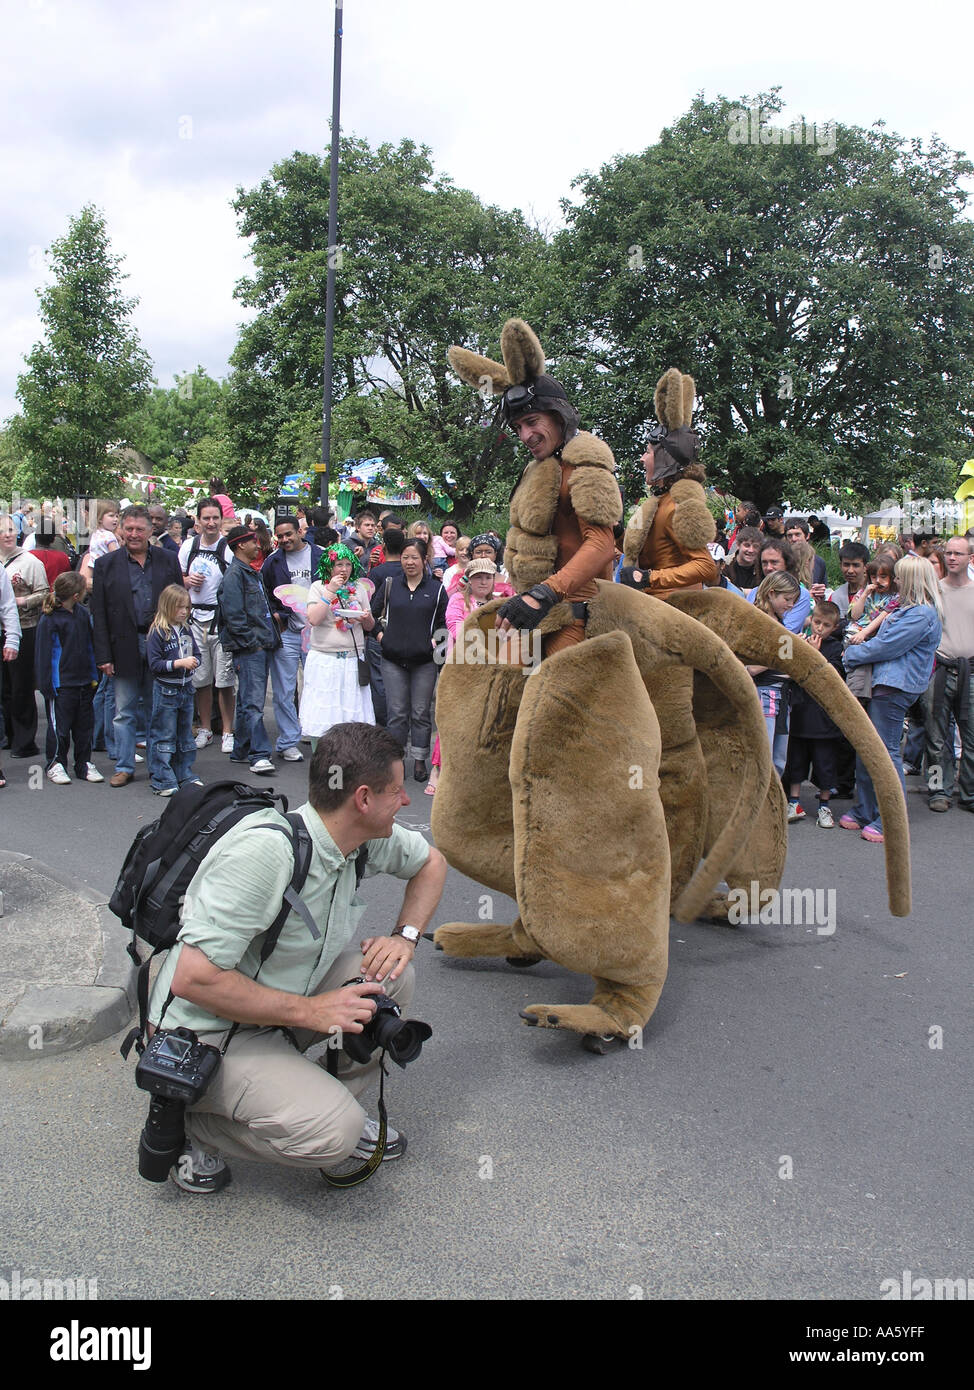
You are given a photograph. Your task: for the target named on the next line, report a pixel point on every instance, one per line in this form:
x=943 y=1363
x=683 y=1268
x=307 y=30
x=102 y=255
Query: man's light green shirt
x=238 y=890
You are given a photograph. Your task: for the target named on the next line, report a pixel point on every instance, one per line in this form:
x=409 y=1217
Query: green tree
x=83 y=382
x=170 y=421
x=421 y=264
x=820 y=296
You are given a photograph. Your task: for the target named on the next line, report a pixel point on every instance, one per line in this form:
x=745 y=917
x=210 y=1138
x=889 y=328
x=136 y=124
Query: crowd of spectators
x=342 y=619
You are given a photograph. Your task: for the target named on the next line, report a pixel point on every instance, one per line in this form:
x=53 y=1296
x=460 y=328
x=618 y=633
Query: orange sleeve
x=591 y=560
x=697 y=568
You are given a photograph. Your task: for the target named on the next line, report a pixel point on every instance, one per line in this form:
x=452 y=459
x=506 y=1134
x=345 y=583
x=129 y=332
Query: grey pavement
x=795 y=1126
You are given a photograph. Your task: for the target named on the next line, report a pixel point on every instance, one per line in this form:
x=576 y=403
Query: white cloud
x=515 y=98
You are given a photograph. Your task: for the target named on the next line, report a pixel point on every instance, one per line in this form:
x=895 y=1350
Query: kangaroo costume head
x=521 y=380
x=675 y=445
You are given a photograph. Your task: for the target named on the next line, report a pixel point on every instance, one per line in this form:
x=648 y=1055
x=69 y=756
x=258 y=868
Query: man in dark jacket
x=249 y=633
x=127 y=585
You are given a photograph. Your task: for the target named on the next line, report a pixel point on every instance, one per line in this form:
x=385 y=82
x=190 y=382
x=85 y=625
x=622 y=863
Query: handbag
x=364 y=670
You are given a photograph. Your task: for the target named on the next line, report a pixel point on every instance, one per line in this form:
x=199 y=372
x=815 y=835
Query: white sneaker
x=395 y=1142
x=263 y=765
x=56 y=773
x=138 y=757
x=227 y=744
x=293 y=755
x=92 y=774
x=204 y=738
x=825 y=818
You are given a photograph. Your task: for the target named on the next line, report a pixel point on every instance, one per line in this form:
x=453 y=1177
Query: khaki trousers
x=270 y=1103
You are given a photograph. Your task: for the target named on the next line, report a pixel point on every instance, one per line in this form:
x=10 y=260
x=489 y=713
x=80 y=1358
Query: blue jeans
x=128 y=693
x=250 y=739
x=104 y=733
x=284 y=683
x=172 y=748
x=771 y=698
x=887 y=710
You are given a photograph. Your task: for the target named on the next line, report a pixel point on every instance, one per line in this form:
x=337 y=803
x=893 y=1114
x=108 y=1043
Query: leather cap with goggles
x=543 y=394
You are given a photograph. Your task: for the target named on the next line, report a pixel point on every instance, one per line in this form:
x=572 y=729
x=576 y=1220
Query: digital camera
x=402 y=1038
x=176 y=1069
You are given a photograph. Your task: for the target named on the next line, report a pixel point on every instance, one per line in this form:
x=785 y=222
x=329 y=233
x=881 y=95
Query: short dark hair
x=391 y=519
x=417 y=543
x=749 y=533
x=854 y=550
x=393 y=541
x=291 y=521
x=448 y=522
x=366 y=511
x=349 y=756
x=799 y=521
x=138 y=512
x=208 y=502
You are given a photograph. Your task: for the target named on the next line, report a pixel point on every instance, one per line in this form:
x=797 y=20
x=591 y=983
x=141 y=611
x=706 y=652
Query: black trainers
x=200 y=1172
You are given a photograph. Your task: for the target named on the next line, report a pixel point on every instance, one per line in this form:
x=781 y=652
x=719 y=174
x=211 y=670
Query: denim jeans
x=104 y=733
x=284 y=683
x=172 y=747
x=128 y=693
x=887 y=710
x=771 y=698
x=409 y=705
x=250 y=739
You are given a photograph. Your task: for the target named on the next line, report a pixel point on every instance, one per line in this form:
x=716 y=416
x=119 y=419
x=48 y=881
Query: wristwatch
x=412 y=934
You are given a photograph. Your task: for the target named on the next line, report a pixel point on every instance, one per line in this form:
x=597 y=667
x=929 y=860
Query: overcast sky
x=157 y=111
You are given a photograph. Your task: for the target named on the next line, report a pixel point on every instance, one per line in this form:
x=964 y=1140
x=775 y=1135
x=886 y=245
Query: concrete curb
x=60 y=1018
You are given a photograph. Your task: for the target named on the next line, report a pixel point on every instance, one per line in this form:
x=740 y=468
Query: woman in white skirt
x=339 y=614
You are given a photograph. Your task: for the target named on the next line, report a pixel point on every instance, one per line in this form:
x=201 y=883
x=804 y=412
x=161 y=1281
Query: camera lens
x=162 y=1139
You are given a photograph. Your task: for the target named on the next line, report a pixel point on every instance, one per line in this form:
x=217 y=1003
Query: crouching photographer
x=239 y=1067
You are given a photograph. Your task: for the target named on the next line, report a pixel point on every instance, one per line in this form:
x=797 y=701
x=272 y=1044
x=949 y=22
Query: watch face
x=410 y=933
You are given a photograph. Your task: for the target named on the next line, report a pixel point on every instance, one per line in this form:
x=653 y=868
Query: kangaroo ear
x=668 y=399
x=689 y=393
x=476 y=370
x=522 y=351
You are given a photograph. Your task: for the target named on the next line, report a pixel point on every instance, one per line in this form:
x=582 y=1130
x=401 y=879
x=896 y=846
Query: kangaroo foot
x=485 y=939
x=615 y=1009
x=575 y=1018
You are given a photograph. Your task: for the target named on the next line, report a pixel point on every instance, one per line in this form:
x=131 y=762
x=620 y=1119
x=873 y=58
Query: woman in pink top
x=476 y=588
x=217 y=493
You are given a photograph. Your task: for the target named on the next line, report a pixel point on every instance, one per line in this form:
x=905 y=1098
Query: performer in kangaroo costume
x=599 y=800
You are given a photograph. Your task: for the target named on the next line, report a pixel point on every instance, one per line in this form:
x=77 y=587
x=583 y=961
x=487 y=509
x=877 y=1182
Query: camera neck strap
x=362 y=1174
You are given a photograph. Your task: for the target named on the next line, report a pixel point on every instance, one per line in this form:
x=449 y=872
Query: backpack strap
x=302 y=848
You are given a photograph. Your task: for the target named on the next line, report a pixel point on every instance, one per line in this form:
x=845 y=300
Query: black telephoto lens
x=162 y=1139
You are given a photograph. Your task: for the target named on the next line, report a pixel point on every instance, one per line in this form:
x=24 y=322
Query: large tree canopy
x=421 y=264
x=83 y=383
x=820 y=297
x=172 y=420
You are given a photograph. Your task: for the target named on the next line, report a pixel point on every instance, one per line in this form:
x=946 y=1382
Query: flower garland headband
x=331 y=557
x=345 y=597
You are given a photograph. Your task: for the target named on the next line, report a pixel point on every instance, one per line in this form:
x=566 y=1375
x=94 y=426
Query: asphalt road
x=790 y=1128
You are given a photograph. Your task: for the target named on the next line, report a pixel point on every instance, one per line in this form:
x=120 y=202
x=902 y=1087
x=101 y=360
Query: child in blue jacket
x=64 y=663
x=173 y=656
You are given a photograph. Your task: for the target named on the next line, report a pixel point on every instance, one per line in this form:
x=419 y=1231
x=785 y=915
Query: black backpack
x=218 y=553
x=164 y=857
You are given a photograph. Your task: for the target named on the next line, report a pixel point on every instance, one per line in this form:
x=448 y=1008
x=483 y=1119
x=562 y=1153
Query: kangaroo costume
x=665 y=546
x=602 y=802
